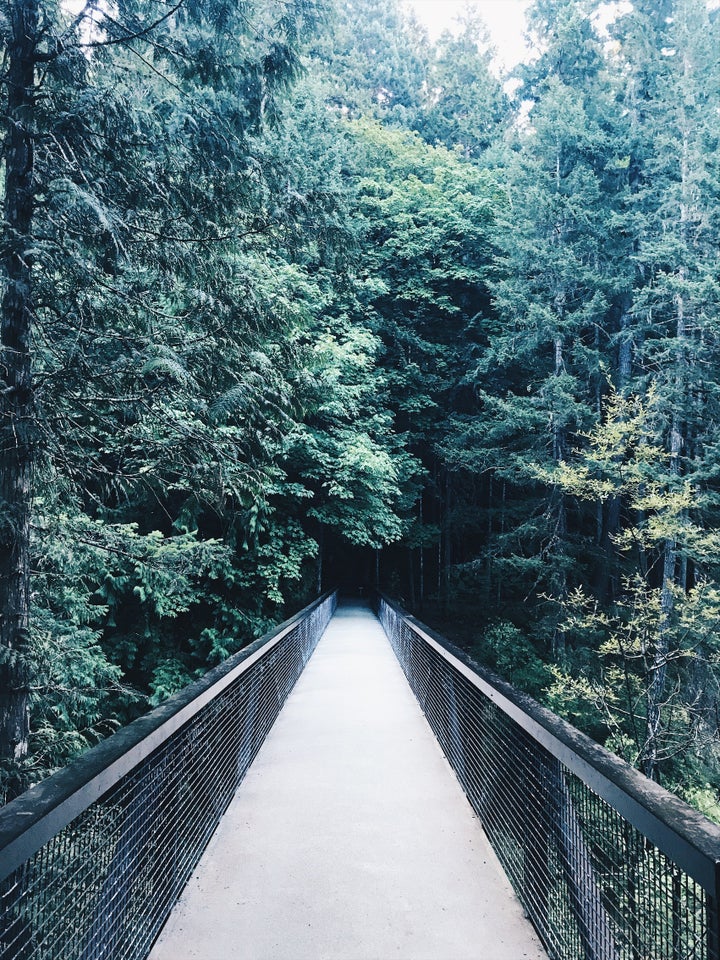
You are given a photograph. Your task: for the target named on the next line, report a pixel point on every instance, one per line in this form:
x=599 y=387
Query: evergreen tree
x=540 y=377
x=376 y=60
x=655 y=676
x=126 y=151
x=464 y=106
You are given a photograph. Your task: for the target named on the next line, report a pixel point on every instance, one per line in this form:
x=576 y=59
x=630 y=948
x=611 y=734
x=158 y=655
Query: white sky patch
x=609 y=12
x=505 y=20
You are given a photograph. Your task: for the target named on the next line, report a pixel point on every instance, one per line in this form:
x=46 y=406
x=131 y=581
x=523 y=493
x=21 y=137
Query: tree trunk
x=503 y=500
x=447 y=529
x=439 y=565
x=656 y=686
x=422 y=557
x=16 y=401
x=489 y=548
x=411 y=577
x=658 y=676
x=321 y=544
x=625 y=348
x=560 y=532
x=607 y=586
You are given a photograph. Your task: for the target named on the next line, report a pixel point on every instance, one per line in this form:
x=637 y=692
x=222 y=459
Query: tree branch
x=131 y=36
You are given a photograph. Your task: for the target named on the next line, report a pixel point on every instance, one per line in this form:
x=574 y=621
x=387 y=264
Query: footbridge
x=352 y=787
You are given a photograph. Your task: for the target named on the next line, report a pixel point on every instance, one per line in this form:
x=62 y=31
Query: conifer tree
x=126 y=152
x=464 y=105
x=541 y=374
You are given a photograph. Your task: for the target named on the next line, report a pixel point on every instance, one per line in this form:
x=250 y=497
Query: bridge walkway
x=350 y=838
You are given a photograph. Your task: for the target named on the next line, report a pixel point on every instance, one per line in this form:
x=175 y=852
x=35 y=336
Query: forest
x=293 y=297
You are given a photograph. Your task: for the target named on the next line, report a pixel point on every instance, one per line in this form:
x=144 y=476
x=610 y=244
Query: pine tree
x=671 y=90
x=464 y=106
x=126 y=152
x=540 y=377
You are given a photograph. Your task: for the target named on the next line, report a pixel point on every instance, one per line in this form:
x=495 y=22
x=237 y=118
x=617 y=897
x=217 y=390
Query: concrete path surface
x=350 y=838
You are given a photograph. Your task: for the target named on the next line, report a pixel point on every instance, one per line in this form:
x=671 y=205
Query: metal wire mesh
x=103 y=885
x=591 y=882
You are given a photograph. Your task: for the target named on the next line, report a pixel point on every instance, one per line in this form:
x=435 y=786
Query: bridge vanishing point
x=342 y=792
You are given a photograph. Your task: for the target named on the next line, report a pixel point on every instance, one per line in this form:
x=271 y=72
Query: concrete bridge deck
x=350 y=838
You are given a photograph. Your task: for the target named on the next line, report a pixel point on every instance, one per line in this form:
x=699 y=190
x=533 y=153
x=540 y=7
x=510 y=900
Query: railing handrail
x=30 y=820
x=684 y=834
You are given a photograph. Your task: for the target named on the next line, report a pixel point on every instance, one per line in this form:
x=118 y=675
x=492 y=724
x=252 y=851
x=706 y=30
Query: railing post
x=16 y=940
x=712 y=914
x=536 y=848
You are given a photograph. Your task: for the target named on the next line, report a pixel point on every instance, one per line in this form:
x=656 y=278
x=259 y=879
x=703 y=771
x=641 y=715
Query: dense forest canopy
x=293 y=295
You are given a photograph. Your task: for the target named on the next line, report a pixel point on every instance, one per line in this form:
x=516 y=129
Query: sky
x=504 y=18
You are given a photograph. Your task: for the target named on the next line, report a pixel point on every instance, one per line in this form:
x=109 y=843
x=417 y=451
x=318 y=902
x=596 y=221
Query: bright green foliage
x=628 y=639
x=652 y=651
x=73 y=679
x=428 y=217
x=351 y=472
x=162 y=300
x=508 y=651
x=346 y=464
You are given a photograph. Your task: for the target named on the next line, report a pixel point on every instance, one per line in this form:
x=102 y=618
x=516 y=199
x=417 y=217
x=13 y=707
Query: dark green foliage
x=376 y=61
x=302 y=296
x=464 y=105
x=508 y=651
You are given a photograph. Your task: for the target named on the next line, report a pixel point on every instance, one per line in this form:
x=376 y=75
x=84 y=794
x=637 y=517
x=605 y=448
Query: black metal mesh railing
x=93 y=859
x=607 y=865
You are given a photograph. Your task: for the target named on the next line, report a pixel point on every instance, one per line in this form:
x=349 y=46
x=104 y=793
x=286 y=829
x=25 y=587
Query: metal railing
x=93 y=859
x=607 y=864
